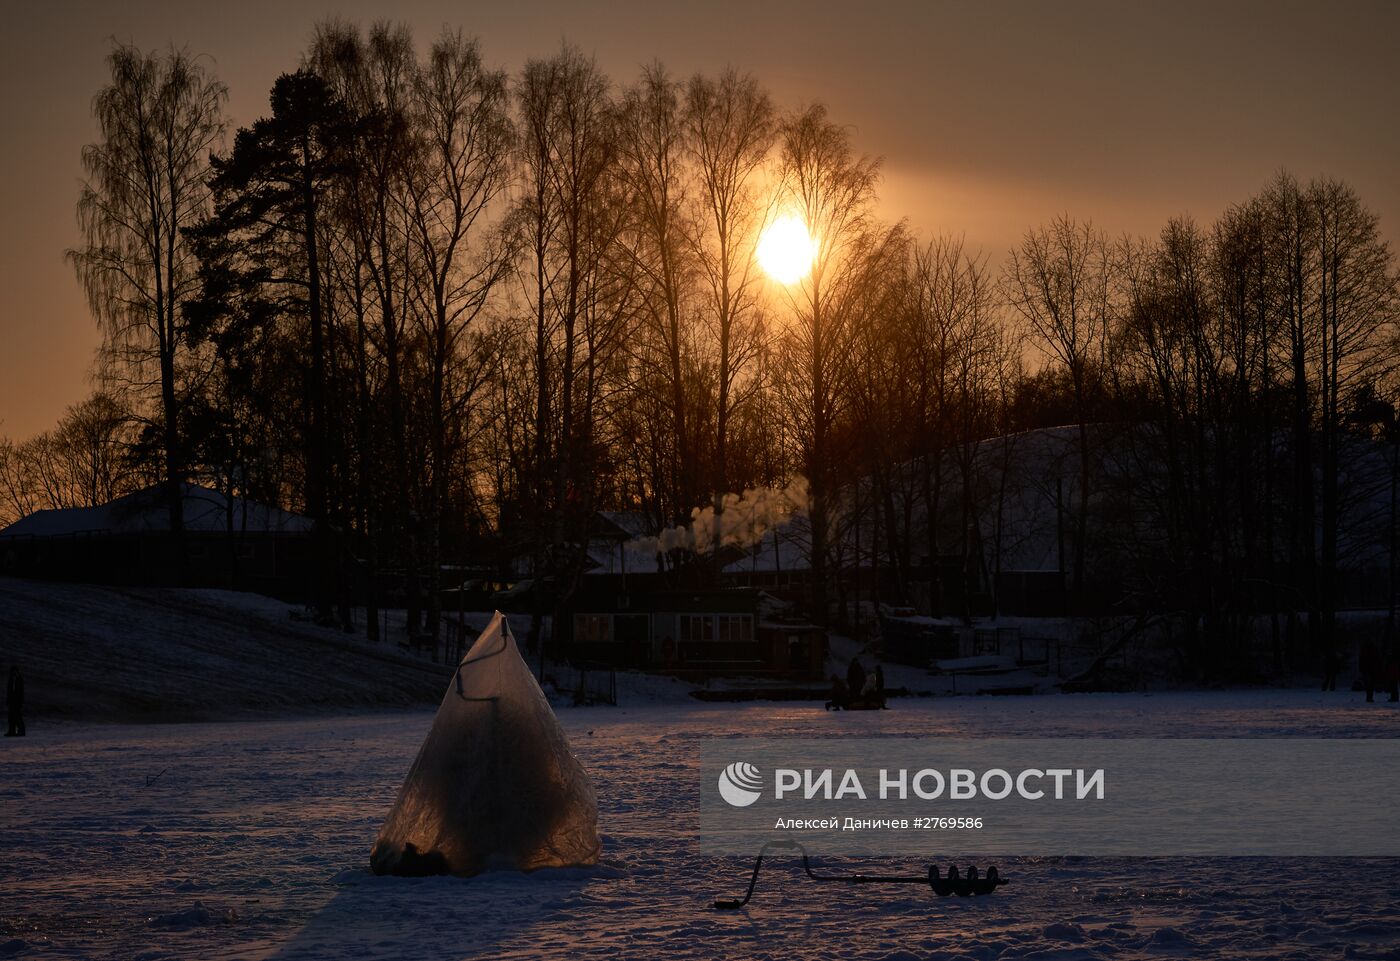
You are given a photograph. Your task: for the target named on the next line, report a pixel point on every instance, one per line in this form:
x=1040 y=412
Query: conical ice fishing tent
x=494 y=784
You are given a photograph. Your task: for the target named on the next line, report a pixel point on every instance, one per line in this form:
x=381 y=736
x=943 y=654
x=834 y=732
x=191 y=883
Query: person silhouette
x=1331 y=664
x=1370 y=665
x=14 y=701
x=838 y=694
x=855 y=679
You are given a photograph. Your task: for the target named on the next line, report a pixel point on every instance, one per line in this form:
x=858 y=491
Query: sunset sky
x=990 y=117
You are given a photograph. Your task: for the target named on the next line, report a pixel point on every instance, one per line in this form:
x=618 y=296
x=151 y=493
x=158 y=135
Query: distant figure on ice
x=1371 y=670
x=838 y=694
x=880 y=686
x=1330 y=666
x=1392 y=675
x=855 y=678
x=14 y=700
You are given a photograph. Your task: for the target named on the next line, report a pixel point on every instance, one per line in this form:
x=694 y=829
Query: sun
x=786 y=250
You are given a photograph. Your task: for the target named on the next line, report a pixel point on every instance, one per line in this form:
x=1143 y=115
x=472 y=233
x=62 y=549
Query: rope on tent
x=457 y=674
x=962 y=885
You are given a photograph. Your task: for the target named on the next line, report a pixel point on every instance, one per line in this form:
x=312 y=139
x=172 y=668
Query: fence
x=589 y=681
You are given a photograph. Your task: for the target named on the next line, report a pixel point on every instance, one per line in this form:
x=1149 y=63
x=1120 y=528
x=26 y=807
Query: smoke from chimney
x=741 y=522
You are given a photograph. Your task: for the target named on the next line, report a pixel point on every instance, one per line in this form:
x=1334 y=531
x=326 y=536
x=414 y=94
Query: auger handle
x=733 y=904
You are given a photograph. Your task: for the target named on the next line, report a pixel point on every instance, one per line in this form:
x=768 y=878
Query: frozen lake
x=250 y=840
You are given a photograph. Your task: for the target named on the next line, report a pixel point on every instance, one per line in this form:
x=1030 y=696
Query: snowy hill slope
x=105 y=653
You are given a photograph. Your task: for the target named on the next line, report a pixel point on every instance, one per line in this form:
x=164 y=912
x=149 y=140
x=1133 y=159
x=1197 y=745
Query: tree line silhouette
x=448 y=313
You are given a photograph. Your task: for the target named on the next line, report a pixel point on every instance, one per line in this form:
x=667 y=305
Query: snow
x=126 y=654
x=786 y=547
x=250 y=840
x=619 y=557
x=116 y=653
x=205 y=510
x=632 y=523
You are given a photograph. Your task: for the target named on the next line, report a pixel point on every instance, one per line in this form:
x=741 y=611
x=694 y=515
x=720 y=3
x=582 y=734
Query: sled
x=963 y=885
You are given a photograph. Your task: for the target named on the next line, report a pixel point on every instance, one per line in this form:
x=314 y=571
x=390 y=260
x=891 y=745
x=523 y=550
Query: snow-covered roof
x=632 y=523
x=620 y=557
x=205 y=510
x=786 y=547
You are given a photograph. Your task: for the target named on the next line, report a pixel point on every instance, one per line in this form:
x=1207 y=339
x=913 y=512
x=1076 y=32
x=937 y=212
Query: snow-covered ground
x=250 y=840
x=115 y=653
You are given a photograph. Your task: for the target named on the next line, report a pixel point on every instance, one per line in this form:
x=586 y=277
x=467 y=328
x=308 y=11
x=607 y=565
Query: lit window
x=697 y=627
x=724 y=628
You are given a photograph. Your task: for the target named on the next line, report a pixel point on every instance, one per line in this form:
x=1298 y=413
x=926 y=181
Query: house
x=644 y=620
x=613 y=543
x=228 y=542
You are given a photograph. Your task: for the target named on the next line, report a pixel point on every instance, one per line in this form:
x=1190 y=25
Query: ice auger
x=963 y=885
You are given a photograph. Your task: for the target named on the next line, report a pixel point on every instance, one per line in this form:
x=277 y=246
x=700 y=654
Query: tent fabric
x=495 y=784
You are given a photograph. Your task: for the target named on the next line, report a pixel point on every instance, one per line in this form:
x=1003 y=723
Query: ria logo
x=740 y=784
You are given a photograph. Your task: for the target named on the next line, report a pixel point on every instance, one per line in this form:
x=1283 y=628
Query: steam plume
x=742 y=521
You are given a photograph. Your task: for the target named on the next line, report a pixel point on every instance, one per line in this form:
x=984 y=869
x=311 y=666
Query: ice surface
x=260 y=828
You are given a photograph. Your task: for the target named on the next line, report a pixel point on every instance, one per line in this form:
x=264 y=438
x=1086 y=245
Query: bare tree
x=93 y=437
x=158 y=119
x=652 y=164
x=1335 y=298
x=974 y=362
x=1292 y=234
x=1244 y=293
x=942 y=291
x=1058 y=281
x=567 y=147
x=372 y=73
x=1357 y=312
x=82 y=462
x=537 y=221
x=457 y=173
x=832 y=189
x=730 y=126
x=18 y=496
